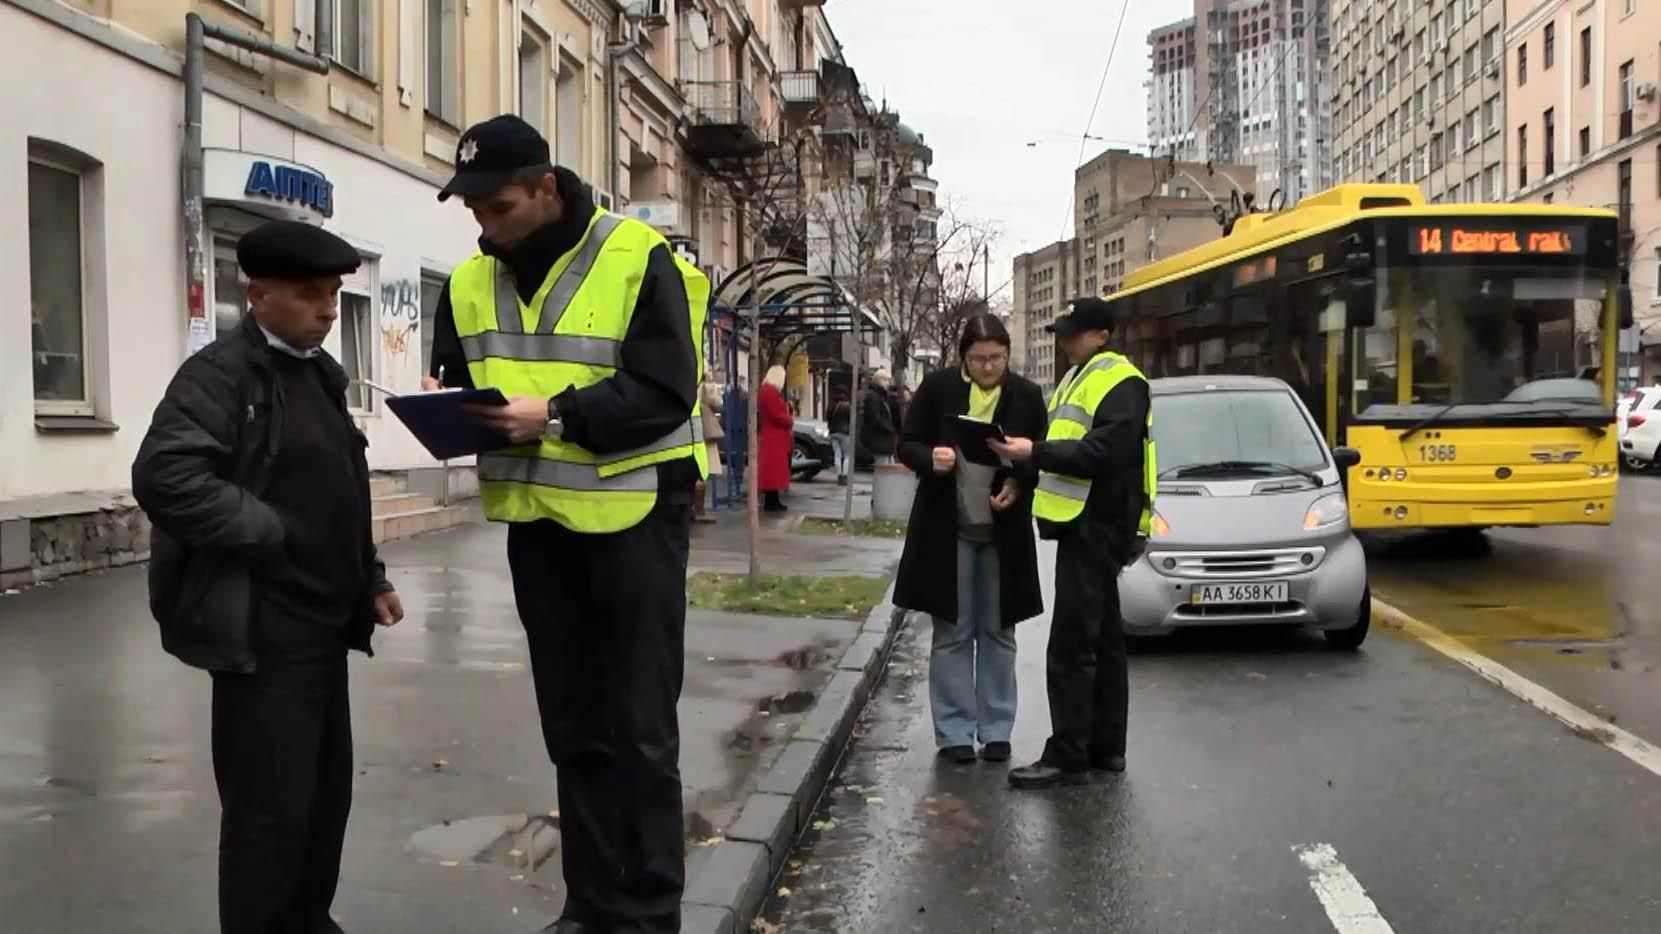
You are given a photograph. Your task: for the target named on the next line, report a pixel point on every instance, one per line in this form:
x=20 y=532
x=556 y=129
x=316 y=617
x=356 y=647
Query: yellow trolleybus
x=1466 y=350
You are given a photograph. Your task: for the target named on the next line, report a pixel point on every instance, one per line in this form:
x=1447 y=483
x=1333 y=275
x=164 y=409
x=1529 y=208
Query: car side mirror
x=1346 y=457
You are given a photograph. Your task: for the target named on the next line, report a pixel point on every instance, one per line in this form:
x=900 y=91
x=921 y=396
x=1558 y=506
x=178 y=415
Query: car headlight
x=1325 y=512
x=1158 y=527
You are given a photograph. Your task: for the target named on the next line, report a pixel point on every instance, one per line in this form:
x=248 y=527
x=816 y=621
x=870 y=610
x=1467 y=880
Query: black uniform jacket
x=199 y=475
x=927 y=581
x=651 y=394
x=1110 y=456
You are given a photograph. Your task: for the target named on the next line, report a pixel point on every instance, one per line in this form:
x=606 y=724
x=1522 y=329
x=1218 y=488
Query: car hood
x=812 y=426
x=1229 y=514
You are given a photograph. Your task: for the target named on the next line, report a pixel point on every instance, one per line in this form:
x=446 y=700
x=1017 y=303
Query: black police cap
x=489 y=153
x=294 y=250
x=1086 y=314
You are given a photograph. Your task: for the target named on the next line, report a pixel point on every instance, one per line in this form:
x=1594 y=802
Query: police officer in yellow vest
x=1095 y=500
x=592 y=327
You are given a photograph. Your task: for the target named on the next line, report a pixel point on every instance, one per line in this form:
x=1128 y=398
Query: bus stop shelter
x=769 y=301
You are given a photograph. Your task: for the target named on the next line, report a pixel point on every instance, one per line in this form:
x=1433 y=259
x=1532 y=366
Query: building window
x=1490 y=44
x=432 y=286
x=1623 y=194
x=1550 y=120
x=1626 y=100
x=1550 y=50
x=1586 y=56
x=1585 y=141
x=1522 y=64
x=1547 y=198
x=1491 y=182
x=443 y=62
x=1491 y=116
x=1472 y=134
x=57 y=287
x=1522 y=156
x=568 y=115
x=357 y=345
x=344 y=28
x=533 y=82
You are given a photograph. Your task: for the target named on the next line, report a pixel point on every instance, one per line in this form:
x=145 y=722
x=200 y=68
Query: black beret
x=294 y=250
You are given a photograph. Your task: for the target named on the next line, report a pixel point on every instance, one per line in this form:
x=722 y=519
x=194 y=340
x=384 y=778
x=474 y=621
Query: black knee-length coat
x=927 y=581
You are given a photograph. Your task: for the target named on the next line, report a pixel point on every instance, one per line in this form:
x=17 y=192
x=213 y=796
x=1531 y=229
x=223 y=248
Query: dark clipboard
x=971 y=435
x=438 y=422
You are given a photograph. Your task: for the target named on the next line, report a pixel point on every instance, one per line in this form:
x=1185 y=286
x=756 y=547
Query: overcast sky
x=982 y=78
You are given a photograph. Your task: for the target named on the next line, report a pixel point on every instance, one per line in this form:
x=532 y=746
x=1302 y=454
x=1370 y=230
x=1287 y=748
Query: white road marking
x=1341 y=894
x=1583 y=722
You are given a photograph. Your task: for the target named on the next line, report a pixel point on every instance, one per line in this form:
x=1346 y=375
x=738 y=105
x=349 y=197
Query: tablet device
x=438 y=422
x=971 y=435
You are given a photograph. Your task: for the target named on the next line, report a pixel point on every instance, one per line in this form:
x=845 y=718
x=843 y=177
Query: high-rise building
x=1244 y=82
x=1419 y=95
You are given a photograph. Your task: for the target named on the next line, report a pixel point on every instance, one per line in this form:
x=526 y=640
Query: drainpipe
x=614 y=118
x=196 y=261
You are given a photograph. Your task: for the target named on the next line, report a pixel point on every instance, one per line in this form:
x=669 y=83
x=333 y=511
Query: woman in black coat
x=970 y=559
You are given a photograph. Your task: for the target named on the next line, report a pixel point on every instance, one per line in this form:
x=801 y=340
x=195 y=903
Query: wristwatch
x=555 y=428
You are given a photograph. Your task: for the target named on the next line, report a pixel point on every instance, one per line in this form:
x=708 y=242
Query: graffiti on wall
x=400 y=319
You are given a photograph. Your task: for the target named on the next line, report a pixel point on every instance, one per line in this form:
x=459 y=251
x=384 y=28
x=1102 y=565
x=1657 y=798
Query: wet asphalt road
x=1454 y=805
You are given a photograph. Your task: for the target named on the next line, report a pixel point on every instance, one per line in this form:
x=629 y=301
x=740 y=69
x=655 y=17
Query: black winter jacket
x=199 y=476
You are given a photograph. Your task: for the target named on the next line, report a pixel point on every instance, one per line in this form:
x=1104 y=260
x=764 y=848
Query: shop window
x=230 y=288
x=344 y=34
x=443 y=61
x=60 y=189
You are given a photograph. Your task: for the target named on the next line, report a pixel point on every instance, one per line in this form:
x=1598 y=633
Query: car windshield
x=1239 y=426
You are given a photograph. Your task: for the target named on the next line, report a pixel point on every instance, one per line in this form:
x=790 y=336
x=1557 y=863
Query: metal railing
x=799 y=87
x=721 y=103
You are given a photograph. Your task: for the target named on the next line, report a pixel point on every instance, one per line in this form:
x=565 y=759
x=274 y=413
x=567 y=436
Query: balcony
x=800 y=92
x=724 y=120
x=800 y=4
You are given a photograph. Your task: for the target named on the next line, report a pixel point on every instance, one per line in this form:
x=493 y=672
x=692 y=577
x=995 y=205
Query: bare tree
x=962 y=258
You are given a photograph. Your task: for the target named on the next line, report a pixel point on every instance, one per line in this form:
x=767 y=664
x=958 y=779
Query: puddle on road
x=787 y=703
x=513 y=841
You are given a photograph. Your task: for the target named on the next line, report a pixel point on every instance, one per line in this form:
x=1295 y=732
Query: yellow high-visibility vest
x=1061 y=498
x=570 y=334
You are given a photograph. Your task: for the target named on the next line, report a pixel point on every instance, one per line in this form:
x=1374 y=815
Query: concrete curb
x=729 y=889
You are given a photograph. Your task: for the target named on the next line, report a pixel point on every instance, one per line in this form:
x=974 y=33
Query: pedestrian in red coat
x=775 y=440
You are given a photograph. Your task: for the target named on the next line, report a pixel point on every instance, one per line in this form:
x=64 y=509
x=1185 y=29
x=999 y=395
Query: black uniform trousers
x=605 y=619
x=1087 y=671
x=282 y=758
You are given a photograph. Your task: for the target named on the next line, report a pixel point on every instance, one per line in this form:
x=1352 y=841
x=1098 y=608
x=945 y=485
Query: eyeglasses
x=993 y=360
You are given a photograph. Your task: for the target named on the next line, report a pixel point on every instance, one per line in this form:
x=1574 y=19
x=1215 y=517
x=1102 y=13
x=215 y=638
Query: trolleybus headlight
x=1325 y=512
x=1401 y=473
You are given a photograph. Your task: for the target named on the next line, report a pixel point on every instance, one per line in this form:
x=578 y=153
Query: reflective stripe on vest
x=574 y=340
x=1061 y=498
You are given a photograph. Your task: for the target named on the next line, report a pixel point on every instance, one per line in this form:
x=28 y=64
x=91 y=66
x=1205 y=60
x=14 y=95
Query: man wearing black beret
x=1095 y=500
x=264 y=573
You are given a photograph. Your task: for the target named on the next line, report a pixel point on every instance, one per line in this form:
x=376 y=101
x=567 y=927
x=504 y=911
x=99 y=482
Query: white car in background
x=1639 y=423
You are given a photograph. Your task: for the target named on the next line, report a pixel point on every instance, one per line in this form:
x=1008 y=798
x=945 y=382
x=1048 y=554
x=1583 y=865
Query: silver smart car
x=1250 y=522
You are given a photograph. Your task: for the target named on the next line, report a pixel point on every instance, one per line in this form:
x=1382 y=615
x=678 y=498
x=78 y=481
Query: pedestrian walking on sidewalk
x=592 y=327
x=711 y=403
x=776 y=440
x=264 y=572
x=838 y=423
x=1095 y=499
x=970 y=560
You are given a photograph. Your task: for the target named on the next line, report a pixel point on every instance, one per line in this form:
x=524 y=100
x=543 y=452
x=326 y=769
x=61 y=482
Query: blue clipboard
x=438 y=422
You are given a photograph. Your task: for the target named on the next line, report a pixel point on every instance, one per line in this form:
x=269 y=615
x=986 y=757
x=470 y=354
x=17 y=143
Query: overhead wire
x=1084 y=135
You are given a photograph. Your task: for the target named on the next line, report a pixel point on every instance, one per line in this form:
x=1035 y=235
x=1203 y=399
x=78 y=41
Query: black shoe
x=995 y=752
x=570 y=926
x=1107 y=764
x=957 y=755
x=1041 y=774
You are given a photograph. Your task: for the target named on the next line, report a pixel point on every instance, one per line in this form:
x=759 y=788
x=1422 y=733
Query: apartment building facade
x=1583 y=85
x=1419 y=95
x=1246 y=82
x=1128 y=211
x=97 y=252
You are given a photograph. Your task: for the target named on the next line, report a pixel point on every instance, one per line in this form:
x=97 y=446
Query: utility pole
x=197 y=31
x=615 y=53
x=752 y=464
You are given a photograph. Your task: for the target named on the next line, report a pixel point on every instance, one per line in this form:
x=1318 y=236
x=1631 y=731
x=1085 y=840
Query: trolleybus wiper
x=1430 y=419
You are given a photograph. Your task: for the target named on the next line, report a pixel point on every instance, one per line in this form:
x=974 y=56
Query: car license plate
x=1256 y=592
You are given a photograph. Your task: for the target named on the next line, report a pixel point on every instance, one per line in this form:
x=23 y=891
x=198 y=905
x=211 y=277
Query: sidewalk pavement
x=107 y=802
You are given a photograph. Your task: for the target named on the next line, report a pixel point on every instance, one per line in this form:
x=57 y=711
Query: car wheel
x=1631 y=463
x=1350 y=638
x=799 y=454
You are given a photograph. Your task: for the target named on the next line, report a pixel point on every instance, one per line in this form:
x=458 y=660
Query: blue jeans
x=972 y=661
x=843 y=446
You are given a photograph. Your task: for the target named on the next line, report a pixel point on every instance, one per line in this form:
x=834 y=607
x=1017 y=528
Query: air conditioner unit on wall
x=1645 y=90
x=1493 y=68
